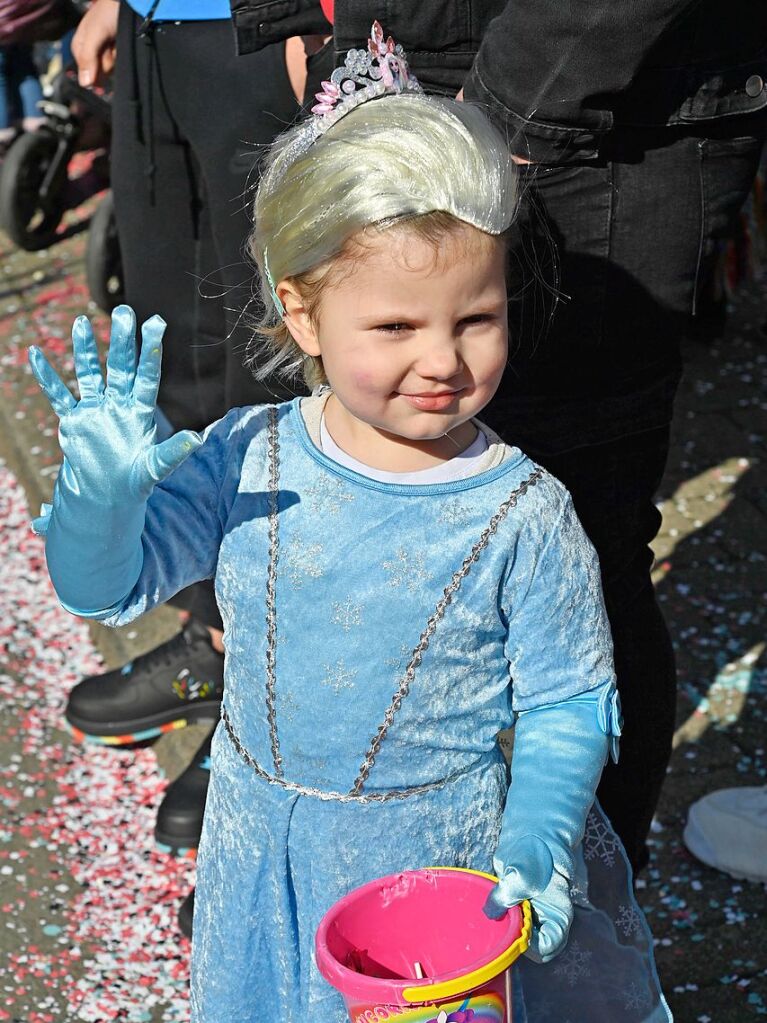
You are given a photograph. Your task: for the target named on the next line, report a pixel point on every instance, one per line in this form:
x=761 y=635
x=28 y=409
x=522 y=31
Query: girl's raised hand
x=107 y=437
x=111 y=463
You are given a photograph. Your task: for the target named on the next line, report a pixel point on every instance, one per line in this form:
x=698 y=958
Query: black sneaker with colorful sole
x=179 y=682
x=179 y=818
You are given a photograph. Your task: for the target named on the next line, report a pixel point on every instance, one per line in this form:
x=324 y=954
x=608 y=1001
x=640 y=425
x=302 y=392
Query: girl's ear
x=297 y=318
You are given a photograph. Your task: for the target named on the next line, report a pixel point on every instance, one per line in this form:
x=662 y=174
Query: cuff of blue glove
x=610 y=720
x=43 y=520
x=608 y=709
x=97 y=616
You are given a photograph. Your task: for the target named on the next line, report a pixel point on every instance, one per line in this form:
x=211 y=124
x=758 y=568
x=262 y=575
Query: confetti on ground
x=89 y=907
x=711 y=929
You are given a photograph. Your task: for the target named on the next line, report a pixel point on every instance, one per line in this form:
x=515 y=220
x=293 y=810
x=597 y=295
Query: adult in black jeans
x=188 y=120
x=642 y=121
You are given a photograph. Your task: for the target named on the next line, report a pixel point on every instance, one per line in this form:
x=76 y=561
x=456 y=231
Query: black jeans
x=190 y=122
x=619 y=249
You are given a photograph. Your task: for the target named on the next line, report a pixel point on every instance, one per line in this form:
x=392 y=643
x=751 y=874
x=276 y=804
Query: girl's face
x=413 y=344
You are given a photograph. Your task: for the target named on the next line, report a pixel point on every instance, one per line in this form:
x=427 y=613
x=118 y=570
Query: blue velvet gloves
x=560 y=750
x=111 y=463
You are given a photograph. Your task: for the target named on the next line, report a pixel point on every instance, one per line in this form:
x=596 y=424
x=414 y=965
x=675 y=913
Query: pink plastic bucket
x=417 y=947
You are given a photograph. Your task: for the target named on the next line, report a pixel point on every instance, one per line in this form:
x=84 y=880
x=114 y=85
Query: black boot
x=179 y=819
x=176 y=683
x=186 y=915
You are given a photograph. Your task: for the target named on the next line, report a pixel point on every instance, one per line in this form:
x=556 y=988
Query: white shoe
x=727 y=830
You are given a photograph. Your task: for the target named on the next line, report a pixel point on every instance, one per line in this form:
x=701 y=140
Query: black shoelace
x=165 y=654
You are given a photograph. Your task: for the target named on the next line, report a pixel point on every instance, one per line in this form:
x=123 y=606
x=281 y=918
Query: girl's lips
x=432 y=402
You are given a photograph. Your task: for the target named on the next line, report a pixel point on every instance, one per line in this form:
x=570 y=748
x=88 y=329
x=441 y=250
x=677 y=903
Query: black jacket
x=557 y=75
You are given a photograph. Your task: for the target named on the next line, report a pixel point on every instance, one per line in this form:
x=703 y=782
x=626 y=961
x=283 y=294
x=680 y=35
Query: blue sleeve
x=559 y=642
x=184 y=522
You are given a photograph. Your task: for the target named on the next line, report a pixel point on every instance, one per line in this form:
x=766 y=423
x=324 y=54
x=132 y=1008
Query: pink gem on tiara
x=381 y=69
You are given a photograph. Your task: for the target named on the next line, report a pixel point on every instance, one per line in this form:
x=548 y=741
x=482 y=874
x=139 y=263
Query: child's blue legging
x=20 y=89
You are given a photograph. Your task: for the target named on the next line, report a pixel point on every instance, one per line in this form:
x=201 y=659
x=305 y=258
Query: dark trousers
x=190 y=122
x=618 y=251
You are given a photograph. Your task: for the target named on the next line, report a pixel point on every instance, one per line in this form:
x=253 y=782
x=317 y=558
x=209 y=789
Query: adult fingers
x=121 y=360
x=85 y=52
x=87 y=365
x=96 y=33
x=57 y=393
x=163 y=458
x=107 y=64
x=148 y=373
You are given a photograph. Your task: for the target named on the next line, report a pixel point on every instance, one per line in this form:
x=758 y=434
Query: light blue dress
x=332 y=588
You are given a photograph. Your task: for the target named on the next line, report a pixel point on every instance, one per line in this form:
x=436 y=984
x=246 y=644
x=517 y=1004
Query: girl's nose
x=440 y=361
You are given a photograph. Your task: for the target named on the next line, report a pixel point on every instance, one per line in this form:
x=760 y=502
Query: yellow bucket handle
x=469 y=981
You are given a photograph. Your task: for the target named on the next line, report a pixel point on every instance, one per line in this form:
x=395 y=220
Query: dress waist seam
x=331 y=796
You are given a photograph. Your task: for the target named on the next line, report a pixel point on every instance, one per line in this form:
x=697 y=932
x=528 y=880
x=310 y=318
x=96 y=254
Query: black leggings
x=191 y=120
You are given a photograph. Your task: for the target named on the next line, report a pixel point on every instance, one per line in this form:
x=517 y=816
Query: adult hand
x=93 y=44
x=295 y=62
x=313 y=44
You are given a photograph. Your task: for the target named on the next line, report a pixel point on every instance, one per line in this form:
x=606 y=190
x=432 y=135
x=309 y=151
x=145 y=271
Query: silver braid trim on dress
x=330 y=796
x=355 y=795
x=271 y=589
x=450 y=590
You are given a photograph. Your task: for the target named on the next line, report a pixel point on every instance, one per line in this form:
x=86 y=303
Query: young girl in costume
x=397 y=585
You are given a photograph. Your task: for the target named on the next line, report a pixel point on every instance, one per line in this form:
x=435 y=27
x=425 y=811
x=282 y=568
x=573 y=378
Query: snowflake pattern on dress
x=287 y=706
x=329 y=495
x=302 y=562
x=454 y=513
x=573 y=963
x=347 y=614
x=399 y=663
x=408 y=570
x=599 y=842
x=635 y=998
x=338 y=677
x=627 y=920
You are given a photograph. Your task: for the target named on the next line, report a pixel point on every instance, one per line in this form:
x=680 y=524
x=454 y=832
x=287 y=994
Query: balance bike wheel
x=28 y=223
x=103 y=261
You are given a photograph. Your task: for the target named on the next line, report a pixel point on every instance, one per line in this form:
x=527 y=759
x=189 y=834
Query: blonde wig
x=391 y=161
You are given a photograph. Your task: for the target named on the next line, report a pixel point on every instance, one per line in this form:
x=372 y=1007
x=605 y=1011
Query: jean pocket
x=533 y=171
x=727 y=169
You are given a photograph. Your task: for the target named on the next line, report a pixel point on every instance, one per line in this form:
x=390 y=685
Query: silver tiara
x=380 y=70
